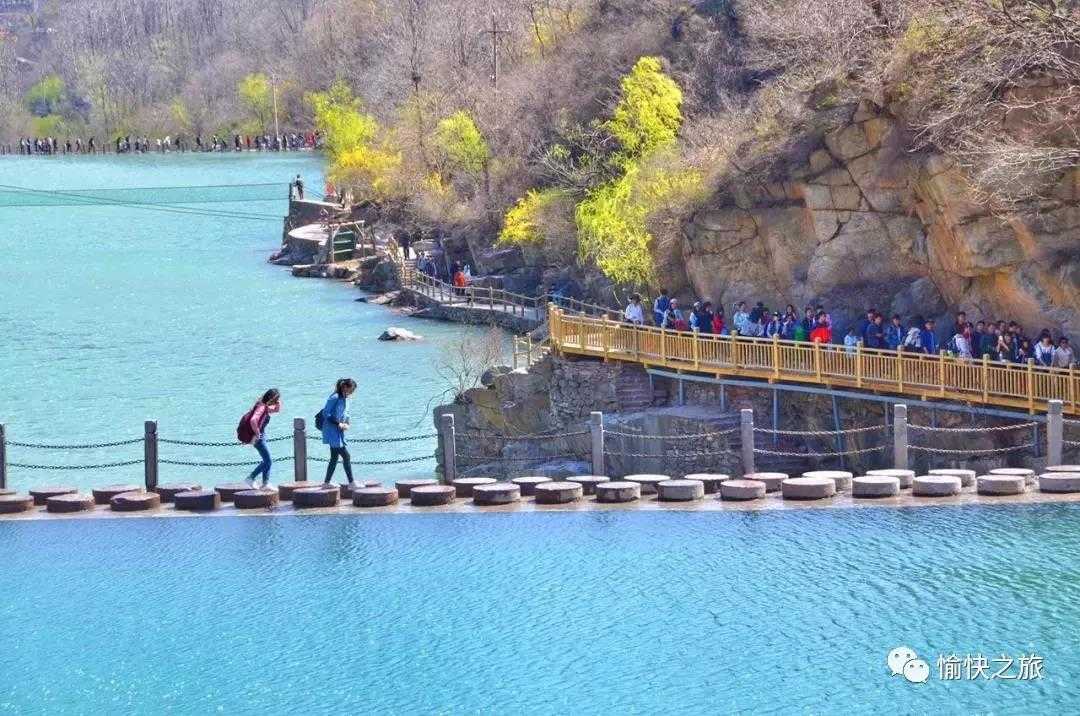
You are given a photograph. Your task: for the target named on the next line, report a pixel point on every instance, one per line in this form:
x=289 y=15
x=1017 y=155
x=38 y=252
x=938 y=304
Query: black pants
x=346 y=462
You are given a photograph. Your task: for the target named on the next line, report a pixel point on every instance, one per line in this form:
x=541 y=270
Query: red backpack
x=244 y=433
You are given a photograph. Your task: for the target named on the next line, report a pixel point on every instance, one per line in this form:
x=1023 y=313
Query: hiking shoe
x=250 y=482
x=265 y=485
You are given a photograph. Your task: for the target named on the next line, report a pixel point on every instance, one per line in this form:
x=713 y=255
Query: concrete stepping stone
x=320 y=496
x=618 y=491
x=431 y=495
x=936 y=485
x=558 y=493
x=6 y=492
x=285 y=490
x=375 y=496
x=12 y=503
x=1057 y=482
x=967 y=477
x=135 y=501
x=463 y=486
x=528 y=483
x=904 y=476
x=875 y=486
x=742 y=490
x=346 y=489
x=841 y=477
x=808 y=488
x=772 y=480
x=168 y=492
x=197 y=500
x=41 y=495
x=588 y=482
x=496 y=493
x=680 y=490
x=648 y=482
x=255 y=499
x=1001 y=484
x=405 y=487
x=1028 y=475
x=711 y=481
x=70 y=502
x=1063 y=468
x=104 y=495
x=229 y=489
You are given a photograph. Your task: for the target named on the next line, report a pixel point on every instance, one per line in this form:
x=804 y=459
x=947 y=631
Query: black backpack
x=320 y=419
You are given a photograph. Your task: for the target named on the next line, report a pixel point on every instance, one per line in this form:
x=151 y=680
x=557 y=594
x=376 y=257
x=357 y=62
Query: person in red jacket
x=822 y=333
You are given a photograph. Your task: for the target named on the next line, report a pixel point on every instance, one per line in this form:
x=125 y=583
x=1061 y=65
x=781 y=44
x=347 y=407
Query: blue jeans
x=264 y=466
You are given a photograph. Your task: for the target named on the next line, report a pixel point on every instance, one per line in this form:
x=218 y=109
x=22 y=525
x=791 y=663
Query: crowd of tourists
x=291 y=141
x=1004 y=341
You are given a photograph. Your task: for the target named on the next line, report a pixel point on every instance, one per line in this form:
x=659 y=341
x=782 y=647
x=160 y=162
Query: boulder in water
x=399 y=334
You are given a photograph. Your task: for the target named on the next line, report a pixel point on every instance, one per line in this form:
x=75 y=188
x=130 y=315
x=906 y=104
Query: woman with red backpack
x=252 y=431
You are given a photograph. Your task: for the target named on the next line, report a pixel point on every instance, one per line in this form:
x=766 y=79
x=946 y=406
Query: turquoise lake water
x=557 y=613
x=114 y=315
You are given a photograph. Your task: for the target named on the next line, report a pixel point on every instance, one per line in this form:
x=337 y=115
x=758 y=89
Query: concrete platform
x=528 y=483
x=742 y=490
x=11 y=504
x=1060 y=482
x=841 y=477
x=104 y=495
x=1001 y=484
x=197 y=500
x=168 y=491
x=496 y=493
x=6 y=492
x=710 y=480
x=135 y=501
x=904 y=476
x=41 y=495
x=316 y=496
x=772 y=480
x=70 y=502
x=618 y=491
x=967 y=477
x=1028 y=475
x=256 y=499
x=680 y=490
x=875 y=486
x=1063 y=468
x=648 y=482
x=808 y=488
x=431 y=495
x=464 y=485
x=405 y=487
x=558 y=493
x=379 y=496
x=228 y=489
x=588 y=482
x=936 y=485
x=286 y=489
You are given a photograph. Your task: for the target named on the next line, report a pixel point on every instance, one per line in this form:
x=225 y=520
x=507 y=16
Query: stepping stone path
x=588 y=482
x=742 y=490
x=376 y=496
x=405 y=487
x=648 y=482
x=431 y=495
x=1028 y=475
x=316 y=496
x=1001 y=484
x=255 y=499
x=528 y=484
x=285 y=490
x=967 y=477
x=135 y=501
x=104 y=495
x=11 y=504
x=772 y=480
x=197 y=500
x=711 y=481
x=346 y=490
x=808 y=488
x=168 y=492
x=904 y=476
x=70 y=502
x=680 y=490
x=935 y=485
x=464 y=485
x=41 y=495
x=231 y=488
x=558 y=493
x=875 y=486
x=1058 y=482
x=496 y=493
x=6 y=492
x=842 y=478
x=1064 y=468
x=618 y=491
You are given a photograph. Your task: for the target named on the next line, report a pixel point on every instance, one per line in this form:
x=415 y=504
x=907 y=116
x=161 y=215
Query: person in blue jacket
x=929 y=338
x=335 y=422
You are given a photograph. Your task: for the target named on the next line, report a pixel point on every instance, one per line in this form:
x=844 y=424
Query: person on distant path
x=660 y=307
x=335 y=422
x=1044 y=350
x=928 y=338
x=822 y=332
x=259 y=418
x=299 y=184
x=1063 y=355
x=634 y=313
x=894 y=333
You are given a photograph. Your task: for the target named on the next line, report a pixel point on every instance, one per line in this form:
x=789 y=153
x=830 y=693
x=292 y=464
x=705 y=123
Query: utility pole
x=273 y=85
x=495 y=32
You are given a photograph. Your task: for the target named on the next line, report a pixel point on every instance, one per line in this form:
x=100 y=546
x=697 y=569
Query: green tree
x=46 y=96
x=256 y=95
x=339 y=118
x=523 y=223
x=462 y=145
x=649 y=111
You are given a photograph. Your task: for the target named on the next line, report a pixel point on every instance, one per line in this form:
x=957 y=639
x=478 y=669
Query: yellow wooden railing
x=941 y=376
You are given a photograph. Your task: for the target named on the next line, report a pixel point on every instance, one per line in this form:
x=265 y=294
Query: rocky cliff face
x=851 y=219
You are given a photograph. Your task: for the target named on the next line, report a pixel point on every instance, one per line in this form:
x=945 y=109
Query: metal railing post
x=1054 y=433
x=150 y=454
x=3 y=457
x=596 y=427
x=900 y=437
x=747 y=417
x=447 y=435
x=299 y=449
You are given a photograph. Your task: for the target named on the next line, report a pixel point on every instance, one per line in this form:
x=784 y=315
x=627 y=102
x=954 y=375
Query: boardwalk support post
x=596 y=427
x=3 y=458
x=900 y=437
x=747 y=434
x=299 y=449
x=150 y=454
x=449 y=448
x=1054 y=433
